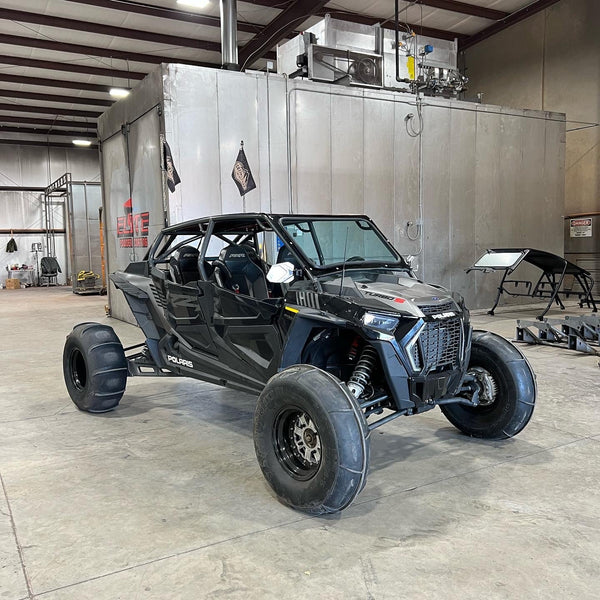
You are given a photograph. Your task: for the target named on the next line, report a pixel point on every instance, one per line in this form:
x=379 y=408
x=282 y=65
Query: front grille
x=440 y=343
x=432 y=309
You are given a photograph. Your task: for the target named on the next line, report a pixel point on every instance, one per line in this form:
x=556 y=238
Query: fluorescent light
x=83 y=143
x=119 y=92
x=194 y=3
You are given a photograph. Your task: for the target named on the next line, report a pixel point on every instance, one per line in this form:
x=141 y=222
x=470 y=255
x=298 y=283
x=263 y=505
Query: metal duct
x=229 y=49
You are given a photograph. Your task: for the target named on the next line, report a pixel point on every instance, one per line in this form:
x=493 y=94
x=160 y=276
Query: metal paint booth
x=478 y=176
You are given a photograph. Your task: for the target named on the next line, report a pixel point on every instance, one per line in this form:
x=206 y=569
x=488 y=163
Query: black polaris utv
x=326 y=322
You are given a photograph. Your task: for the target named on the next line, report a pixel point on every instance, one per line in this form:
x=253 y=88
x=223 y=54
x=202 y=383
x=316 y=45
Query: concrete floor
x=163 y=498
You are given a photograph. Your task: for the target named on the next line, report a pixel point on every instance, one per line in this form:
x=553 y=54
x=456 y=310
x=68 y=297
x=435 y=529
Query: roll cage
x=245 y=229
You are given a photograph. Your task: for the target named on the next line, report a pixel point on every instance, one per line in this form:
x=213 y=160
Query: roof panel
x=51 y=104
x=508 y=6
x=51 y=74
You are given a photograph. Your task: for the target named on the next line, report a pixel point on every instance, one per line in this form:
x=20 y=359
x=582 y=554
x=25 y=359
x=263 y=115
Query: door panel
x=245 y=332
x=186 y=309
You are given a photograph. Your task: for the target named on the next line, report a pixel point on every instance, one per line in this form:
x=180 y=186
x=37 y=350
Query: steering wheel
x=355 y=259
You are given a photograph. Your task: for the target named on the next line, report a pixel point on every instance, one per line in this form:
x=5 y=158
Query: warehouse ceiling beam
x=111 y=30
x=28 y=231
x=450 y=5
x=163 y=12
x=54 y=83
x=18 y=188
x=281 y=4
x=67 y=67
x=35 y=131
x=351 y=17
x=283 y=24
x=18 y=40
x=54 y=98
x=473 y=10
x=19 y=119
x=45 y=144
x=45 y=110
x=512 y=19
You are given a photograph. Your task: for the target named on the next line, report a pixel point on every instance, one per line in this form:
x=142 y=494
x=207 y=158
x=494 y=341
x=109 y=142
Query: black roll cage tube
x=206 y=234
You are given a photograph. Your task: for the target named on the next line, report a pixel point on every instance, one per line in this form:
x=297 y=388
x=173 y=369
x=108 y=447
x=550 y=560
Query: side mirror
x=281 y=273
x=410 y=259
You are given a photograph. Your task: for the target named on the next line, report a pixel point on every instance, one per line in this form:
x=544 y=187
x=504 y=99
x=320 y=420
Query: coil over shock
x=362 y=372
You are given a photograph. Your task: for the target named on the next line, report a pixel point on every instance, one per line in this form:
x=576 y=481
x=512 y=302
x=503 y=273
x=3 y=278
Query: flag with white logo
x=241 y=174
x=172 y=174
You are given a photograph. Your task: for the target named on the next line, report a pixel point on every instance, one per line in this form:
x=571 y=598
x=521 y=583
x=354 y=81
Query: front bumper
x=425 y=360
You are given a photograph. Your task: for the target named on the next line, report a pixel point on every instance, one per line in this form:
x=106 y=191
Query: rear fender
x=136 y=290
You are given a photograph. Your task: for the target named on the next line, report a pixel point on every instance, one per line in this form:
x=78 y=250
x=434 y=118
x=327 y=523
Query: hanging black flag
x=172 y=174
x=12 y=245
x=242 y=175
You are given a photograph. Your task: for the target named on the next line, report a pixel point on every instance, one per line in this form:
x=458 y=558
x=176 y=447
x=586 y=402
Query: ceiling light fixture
x=83 y=143
x=194 y=3
x=119 y=92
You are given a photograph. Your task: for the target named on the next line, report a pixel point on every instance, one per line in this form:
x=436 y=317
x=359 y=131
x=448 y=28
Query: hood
x=406 y=296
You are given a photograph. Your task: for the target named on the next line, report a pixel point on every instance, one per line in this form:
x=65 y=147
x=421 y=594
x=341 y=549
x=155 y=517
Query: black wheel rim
x=297 y=443
x=78 y=369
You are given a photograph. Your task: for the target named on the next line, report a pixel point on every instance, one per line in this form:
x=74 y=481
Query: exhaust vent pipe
x=229 y=49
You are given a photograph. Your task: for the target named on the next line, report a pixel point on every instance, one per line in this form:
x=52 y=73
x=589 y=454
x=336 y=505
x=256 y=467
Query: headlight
x=381 y=323
x=458 y=298
x=461 y=304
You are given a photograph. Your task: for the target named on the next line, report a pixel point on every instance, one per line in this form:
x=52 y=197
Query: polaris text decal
x=444 y=315
x=180 y=361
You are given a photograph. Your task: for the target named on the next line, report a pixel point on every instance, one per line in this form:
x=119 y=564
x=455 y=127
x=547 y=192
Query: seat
x=236 y=270
x=255 y=258
x=50 y=270
x=183 y=265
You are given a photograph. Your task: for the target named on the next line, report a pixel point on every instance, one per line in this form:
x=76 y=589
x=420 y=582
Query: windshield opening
x=328 y=242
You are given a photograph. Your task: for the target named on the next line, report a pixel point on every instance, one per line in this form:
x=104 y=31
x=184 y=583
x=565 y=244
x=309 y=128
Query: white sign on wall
x=580 y=228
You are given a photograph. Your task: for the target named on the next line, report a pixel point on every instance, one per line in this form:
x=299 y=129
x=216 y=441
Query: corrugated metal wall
x=483 y=176
x=36 y=166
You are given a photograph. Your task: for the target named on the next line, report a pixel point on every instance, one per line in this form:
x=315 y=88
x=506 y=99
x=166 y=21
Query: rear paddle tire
x=94 y=367
x=311 y=440
x=506 y=386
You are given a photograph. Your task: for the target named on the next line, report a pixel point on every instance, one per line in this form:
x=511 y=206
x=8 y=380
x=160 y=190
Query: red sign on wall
x=132 y=229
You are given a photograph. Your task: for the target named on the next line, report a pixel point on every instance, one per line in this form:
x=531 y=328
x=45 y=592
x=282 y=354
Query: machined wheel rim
x=78 y=369
x=297 y=443
x=488 y=387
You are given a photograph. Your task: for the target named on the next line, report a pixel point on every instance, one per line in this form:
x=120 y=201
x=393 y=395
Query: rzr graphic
x=326 y=322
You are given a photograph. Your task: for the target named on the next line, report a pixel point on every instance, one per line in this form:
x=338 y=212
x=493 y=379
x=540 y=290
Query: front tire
x=311 y=440
x=94 y=367
x=507 y=390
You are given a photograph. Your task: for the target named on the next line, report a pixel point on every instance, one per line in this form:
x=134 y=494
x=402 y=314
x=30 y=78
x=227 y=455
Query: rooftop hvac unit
x=336 y=51
x=334 y=65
